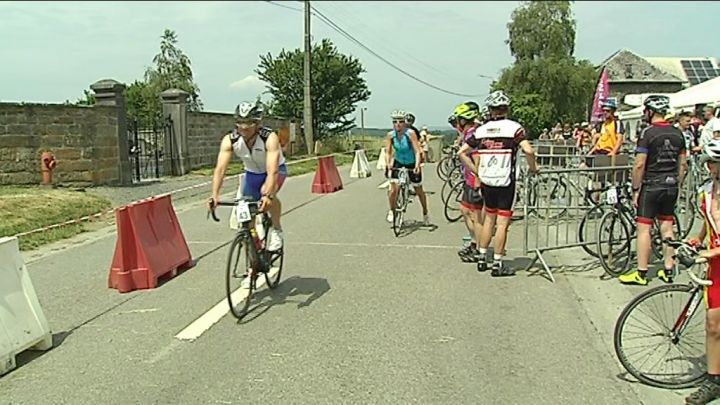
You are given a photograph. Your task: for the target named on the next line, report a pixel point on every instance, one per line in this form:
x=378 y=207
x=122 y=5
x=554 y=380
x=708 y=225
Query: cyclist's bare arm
x=464 y=155
x=388 y=150
x=416 y=148
x=683 y=167
x=223 y=160
x=530 y=155
x=638 y=170
x=272 y=147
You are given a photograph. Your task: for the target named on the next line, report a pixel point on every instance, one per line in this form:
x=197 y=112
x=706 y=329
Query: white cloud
x=250 y=82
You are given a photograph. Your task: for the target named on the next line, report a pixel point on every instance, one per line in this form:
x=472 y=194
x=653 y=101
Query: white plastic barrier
x=22 y=322
x=360 y=166
x=381 y=160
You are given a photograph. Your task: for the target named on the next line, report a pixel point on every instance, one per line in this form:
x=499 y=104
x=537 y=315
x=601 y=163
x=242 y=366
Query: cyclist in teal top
x=403 y=150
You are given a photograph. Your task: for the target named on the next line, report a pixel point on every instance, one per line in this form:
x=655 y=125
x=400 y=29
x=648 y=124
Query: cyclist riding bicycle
x=265 y=171
x=710 y=233
x=403 y=150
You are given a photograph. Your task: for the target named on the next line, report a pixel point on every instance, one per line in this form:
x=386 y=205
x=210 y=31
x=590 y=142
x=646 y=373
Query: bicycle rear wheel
x=238 y=265
x=613 y=244
x=587 y=230
x=276 y=262
x=643 y=340
x=452 y=203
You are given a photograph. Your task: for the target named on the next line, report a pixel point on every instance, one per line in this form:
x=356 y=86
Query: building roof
x=625 y=66
x=694 y=70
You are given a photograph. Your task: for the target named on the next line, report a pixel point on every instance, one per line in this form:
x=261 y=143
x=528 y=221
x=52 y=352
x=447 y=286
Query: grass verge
x=27 y=208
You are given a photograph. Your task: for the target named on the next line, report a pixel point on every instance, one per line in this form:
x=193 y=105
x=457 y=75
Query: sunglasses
x=398 y=121
x=246 y=123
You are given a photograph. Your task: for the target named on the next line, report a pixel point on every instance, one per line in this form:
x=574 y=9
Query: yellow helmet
x=465 y=111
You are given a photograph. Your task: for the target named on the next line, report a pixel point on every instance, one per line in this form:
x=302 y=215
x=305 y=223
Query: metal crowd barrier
x=554 y=203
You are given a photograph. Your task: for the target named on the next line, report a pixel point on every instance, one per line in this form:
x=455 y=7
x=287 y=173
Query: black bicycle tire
x=561 y=212
x=240 y=240
x=457 y=189
x=581 y=228
x=399 y=211
x=626 y=247
x=441 y=169
x=617 y=337
x=272 y=283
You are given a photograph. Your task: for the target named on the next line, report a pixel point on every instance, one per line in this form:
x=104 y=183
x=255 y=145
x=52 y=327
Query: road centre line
x=211 y=317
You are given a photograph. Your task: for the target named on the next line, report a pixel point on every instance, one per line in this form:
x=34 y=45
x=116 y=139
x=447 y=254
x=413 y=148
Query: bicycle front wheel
x=659 y=337
x=453 y=201
x=238 y=268
x=399 y=211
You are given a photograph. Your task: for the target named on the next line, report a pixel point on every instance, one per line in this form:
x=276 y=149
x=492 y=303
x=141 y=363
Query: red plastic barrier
x=150 y=245
x=327 y=178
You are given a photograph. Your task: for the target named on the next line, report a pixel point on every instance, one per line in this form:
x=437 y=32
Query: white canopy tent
x=707 y=92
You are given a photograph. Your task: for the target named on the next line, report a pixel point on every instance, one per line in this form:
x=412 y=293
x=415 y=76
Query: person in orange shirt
x=612 y=132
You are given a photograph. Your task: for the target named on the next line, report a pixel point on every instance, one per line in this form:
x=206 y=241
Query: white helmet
x=249 y=110
x=497 y=99
x=398 y=114
x=711 y=151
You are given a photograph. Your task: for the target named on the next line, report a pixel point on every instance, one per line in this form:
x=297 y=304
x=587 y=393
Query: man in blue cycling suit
x=403 y=150
x=265 y=171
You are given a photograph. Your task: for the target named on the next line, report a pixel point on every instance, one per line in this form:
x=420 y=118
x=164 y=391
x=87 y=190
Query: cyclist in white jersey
x=264 y=163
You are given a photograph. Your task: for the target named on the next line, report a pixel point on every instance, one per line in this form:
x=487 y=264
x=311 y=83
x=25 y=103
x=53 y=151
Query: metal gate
x=148 y=149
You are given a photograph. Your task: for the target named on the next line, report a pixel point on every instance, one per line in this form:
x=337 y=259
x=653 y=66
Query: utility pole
x=362 y=120
x=307 y=116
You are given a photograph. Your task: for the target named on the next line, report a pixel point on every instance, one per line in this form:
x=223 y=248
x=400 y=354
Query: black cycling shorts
x=415 y=179
x=499 y=200
x=471 y=198
x=656 y=201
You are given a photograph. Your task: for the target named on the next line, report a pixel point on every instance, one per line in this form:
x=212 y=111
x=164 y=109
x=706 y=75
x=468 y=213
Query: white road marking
x=211 y=317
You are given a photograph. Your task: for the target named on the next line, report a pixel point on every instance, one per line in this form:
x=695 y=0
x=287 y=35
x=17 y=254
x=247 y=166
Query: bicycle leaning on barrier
x=252 y=239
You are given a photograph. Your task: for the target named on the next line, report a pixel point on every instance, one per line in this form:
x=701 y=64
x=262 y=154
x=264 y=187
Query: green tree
x=172 y=69
x=336 y=86
x=546 y=82
x=88 y=98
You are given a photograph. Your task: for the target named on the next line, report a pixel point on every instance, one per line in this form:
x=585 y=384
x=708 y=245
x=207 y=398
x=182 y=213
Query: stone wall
x=83 y=140
x=206 y=130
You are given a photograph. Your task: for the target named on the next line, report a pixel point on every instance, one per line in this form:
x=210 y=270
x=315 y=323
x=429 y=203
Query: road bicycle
x=402 y=200
x=257 y=259
x=664 y=328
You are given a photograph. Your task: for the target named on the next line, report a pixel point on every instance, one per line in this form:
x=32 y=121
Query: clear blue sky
x=51 y=51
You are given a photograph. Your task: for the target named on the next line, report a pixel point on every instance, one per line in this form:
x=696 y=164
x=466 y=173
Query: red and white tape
x=180 y=190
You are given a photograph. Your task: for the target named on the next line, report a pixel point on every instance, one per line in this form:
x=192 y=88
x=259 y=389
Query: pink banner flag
x=601 y=94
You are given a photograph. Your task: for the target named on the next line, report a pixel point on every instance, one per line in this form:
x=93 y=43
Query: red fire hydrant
x=47 y=164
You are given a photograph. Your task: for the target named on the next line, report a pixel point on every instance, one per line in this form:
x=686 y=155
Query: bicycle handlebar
x=688 y=256
x=211 y=211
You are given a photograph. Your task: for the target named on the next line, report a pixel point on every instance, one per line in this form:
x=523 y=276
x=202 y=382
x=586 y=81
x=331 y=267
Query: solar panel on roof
x=698 y=71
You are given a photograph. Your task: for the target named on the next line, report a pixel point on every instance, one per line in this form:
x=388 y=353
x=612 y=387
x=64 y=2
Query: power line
x=283 y=6
x=338 y=29
x=352 y=39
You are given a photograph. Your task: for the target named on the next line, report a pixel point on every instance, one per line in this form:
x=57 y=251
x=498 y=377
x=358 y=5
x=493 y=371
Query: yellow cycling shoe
x=665 y=275
x=633 y=278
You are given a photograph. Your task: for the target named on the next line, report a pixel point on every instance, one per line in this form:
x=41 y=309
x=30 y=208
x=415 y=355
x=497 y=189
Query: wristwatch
x=270 y=196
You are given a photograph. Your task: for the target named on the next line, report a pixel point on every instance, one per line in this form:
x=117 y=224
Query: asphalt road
x=360 y=317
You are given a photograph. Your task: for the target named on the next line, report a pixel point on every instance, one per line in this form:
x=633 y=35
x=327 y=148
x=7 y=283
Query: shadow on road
x=412 y=226
x=308 y=287
x=30 y=355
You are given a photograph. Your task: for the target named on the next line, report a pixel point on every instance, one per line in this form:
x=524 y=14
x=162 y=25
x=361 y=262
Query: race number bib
x=242 y=211
x=495 y=167
x=612 y=197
